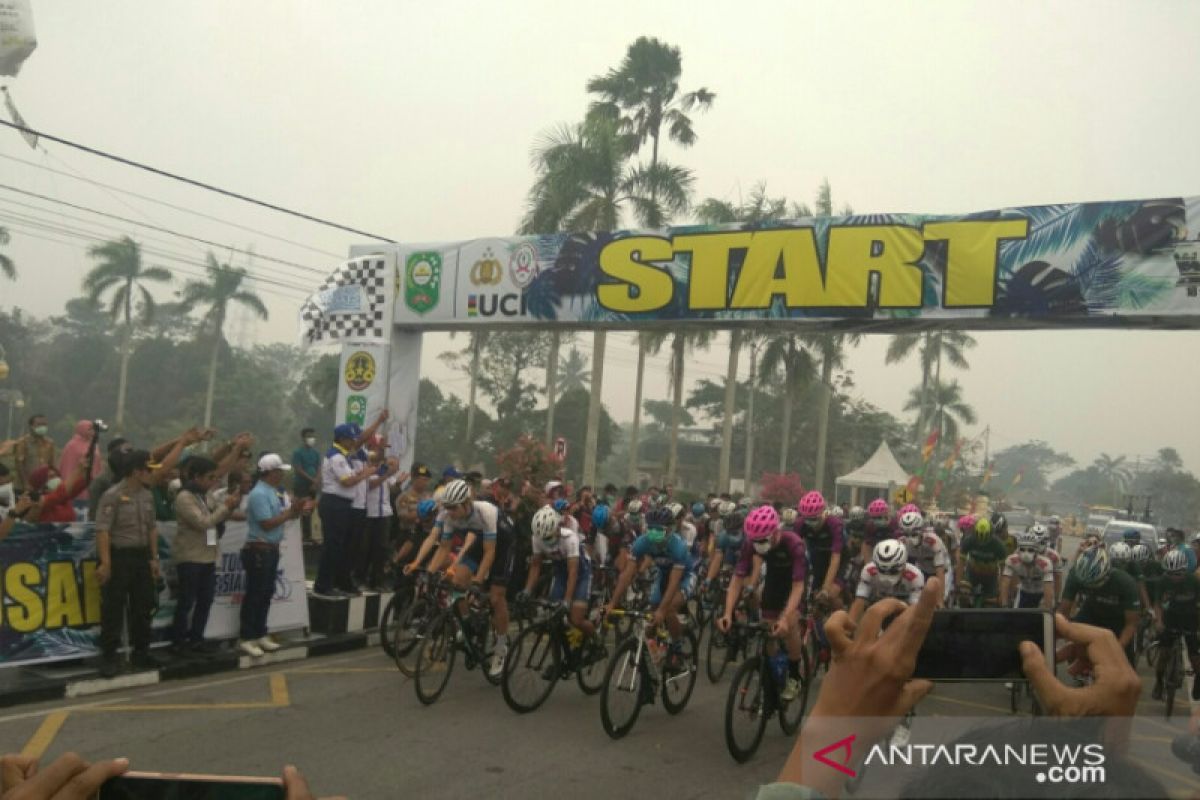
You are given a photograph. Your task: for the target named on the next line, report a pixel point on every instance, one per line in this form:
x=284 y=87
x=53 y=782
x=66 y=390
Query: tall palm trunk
x=637 y=410
x=212 y=379
x=677 y=351
x=126 y=352
x=470 y=436
x=551 y=388
x=787 y=428
x=749 y=465
x=594 y=405
x=823 y=419
x=735 y=344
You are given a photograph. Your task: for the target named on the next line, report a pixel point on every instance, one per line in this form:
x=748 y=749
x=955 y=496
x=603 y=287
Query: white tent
x=881 y=472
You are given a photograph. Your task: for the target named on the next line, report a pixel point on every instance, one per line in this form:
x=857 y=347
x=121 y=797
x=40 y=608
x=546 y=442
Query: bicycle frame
x=640 y=625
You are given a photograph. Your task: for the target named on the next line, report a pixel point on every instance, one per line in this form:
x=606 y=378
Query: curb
x=74 y=679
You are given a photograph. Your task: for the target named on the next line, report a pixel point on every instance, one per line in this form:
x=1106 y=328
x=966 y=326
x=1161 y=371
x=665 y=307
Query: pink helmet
x=878 y=508
x=966 y=522
x=812 y=505
x=761 y=523
x=909 y=507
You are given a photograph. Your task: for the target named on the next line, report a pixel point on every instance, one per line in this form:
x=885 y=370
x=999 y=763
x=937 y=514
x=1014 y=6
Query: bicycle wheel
x=387 y=621
x=531 y=669
x=717 y=654
x=407 y=633
x=594 y=660
x=623 y=692
x=678 y=684
x=435 y=659
x=791 y=713
x=745 y=717
x=485 y=644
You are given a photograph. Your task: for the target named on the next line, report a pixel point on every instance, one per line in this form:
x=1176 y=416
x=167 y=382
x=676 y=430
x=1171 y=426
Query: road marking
x=339 y=671
x=44 y=735
x=279 y=690
x=956 y=701
x=279 y=699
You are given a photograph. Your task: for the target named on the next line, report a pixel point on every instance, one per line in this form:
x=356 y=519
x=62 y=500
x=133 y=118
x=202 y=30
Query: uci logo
x=486 y=271
x=489 y=305
x=360 y=370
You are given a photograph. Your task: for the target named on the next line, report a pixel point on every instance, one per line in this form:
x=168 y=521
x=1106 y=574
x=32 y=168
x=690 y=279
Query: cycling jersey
x=1152 y=577
x=485 y=521
x=1030 y=577
x=821 y=543
x=568 y=546
x=688 y=531
x=785 y=564
x=1179 y=598
x=668 y=556
x=1106 y=605
x=928 y=554
x=873 y=533
x=984 y=556
x=1057 y=562
x=729 y=545
x=872 y=587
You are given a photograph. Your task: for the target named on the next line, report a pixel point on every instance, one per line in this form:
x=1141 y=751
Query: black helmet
x=660 y=517
x=734 y=521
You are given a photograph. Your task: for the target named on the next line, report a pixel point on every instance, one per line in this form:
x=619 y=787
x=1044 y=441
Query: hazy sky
x=415 y=121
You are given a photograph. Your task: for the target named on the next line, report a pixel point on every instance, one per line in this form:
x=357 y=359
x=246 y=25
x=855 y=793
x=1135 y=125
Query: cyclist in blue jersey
x=676 y=580
x=727 y=548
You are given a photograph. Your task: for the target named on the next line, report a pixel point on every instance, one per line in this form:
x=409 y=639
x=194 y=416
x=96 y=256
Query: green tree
x=570 y=422
x=831 y=349
x=946 y=409
x=931 y=347
x=7 y=268
x=784 y=355
x=1034 y=460
x=641 y=96
x=121 y=272
x=1115 y=472
x=222 y=288
x=757 y=209
x=573 y=372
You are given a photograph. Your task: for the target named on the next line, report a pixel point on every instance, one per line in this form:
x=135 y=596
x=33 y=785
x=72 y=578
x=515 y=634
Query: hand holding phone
x=179 y=786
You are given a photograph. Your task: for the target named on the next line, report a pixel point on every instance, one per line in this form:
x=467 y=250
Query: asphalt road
x=352 y=723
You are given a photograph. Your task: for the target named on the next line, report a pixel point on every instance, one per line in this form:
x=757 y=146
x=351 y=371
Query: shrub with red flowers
x=783 y=488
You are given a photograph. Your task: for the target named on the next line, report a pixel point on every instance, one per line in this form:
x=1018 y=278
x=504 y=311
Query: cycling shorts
x=1028 y=599
x=687 y=586
x=502 y=564
x=583 y=584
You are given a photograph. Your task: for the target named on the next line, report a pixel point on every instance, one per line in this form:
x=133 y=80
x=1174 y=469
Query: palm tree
x=120 y=269
x=946 y=408
x=757 y=209
x=642 y=95
x=931 y=347
x=831 y=347
x=224 y=286
x=644 y=341
x=1116 y=473
x=575 y=372
x=784 y=353
x=7 y=268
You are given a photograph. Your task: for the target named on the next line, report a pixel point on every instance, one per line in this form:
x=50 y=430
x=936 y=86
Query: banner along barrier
x=51 y=598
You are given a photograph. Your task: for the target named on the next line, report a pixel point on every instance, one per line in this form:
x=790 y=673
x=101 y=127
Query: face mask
x=53 y=484
x=174 y=486
x=1027 y=556
x=41 y=430
x=311 y=441
x=762 y=548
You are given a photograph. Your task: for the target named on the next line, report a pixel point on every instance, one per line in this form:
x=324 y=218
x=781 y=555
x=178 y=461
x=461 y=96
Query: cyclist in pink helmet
x=909 y=507
x=881 y=524
x=823 y=538
x=782 y=553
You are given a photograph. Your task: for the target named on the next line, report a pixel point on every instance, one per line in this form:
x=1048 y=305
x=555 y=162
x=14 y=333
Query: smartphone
x=982 y=644
x=180 y=786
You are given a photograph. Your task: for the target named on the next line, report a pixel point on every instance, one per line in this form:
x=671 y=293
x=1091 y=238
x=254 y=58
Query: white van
x=1114 y=531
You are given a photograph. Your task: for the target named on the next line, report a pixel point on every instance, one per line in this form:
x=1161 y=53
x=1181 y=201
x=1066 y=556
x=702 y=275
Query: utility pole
x=735 y=345
x=551 y=385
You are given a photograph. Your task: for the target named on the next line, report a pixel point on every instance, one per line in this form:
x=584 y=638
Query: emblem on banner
x=360 y=370
x=487 y=271
x=522 y=265
x=356 y=409
x=422 y=281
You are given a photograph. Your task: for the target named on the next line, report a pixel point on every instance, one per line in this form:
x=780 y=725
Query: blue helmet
x=426 y=507
x=1092 y=566
x=1131 y=537
x=560 y=505
x=600 y=516
x=697 y=509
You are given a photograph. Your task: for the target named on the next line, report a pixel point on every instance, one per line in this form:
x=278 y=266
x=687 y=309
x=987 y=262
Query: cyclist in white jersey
x=1031 y=572
x=924 y=548
x=887 y=574
x=1045 y=548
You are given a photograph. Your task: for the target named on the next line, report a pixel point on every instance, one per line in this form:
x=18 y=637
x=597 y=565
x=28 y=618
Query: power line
x=191 y=181
x=183 y=209
x=159 y=228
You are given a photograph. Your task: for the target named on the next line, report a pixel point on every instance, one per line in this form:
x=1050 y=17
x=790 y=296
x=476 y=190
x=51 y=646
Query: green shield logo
x=422 y=280
x=356 y=409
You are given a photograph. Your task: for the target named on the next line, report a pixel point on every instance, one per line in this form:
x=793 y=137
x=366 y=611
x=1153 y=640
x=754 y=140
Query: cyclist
x=887 y=575
x=700 y=520
x=787 y=518
x=1175 y=614
x=1150 y=572
x=780 y=553
x=675 y=583
x=852 y=559
x=486 y=556
x=685 y=528
x=1054 y=527
x=598 y=538
x=1110 y=597
x=727 y=549
x=1057 y=562
x=880 y=525
x=1031 y=571
x=822 y=535
x=1000 y=532
x=925 y=550
x=979 y=558
x=635 y=521
x=1121 y=555
x=572 y=568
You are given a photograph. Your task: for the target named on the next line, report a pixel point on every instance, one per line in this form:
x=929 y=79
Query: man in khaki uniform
x=127 y=546
x=33 y=450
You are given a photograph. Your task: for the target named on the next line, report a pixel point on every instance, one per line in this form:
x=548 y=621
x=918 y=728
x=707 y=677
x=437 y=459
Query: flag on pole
x=1017 y=478
x=354 y=303
x=930 y=443
x=914 y=483
x=987 y=476
x=31 y=139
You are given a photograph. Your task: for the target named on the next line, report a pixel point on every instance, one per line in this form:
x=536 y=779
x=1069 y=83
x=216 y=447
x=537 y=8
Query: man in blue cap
x=341 y=473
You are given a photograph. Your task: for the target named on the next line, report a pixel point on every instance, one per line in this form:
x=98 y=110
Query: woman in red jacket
x=56 y=494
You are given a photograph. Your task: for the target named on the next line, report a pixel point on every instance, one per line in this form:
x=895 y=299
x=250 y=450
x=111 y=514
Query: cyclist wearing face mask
x=1032 y=573
x=880 y=525
x=822 y=535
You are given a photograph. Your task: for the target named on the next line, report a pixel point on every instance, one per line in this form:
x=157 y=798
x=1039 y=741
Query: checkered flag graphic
x=318 y=324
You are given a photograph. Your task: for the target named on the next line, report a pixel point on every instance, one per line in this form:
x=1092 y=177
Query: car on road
x=1019 y=519
x=1114 y=531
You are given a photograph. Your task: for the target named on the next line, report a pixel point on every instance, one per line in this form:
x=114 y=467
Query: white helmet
x=676 y=509
x=634 y=507
x=788 y=516
x=1175 y=561
x=837 y=511
x=726 y=508
x=889 y=557
x=551 y=486
x=1121 y=552
x=547 y=524
x=457 y=492
x=1029 y=544
x=911 y=522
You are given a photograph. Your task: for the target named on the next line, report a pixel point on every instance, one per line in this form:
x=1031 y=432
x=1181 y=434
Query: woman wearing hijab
x=76 y=451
